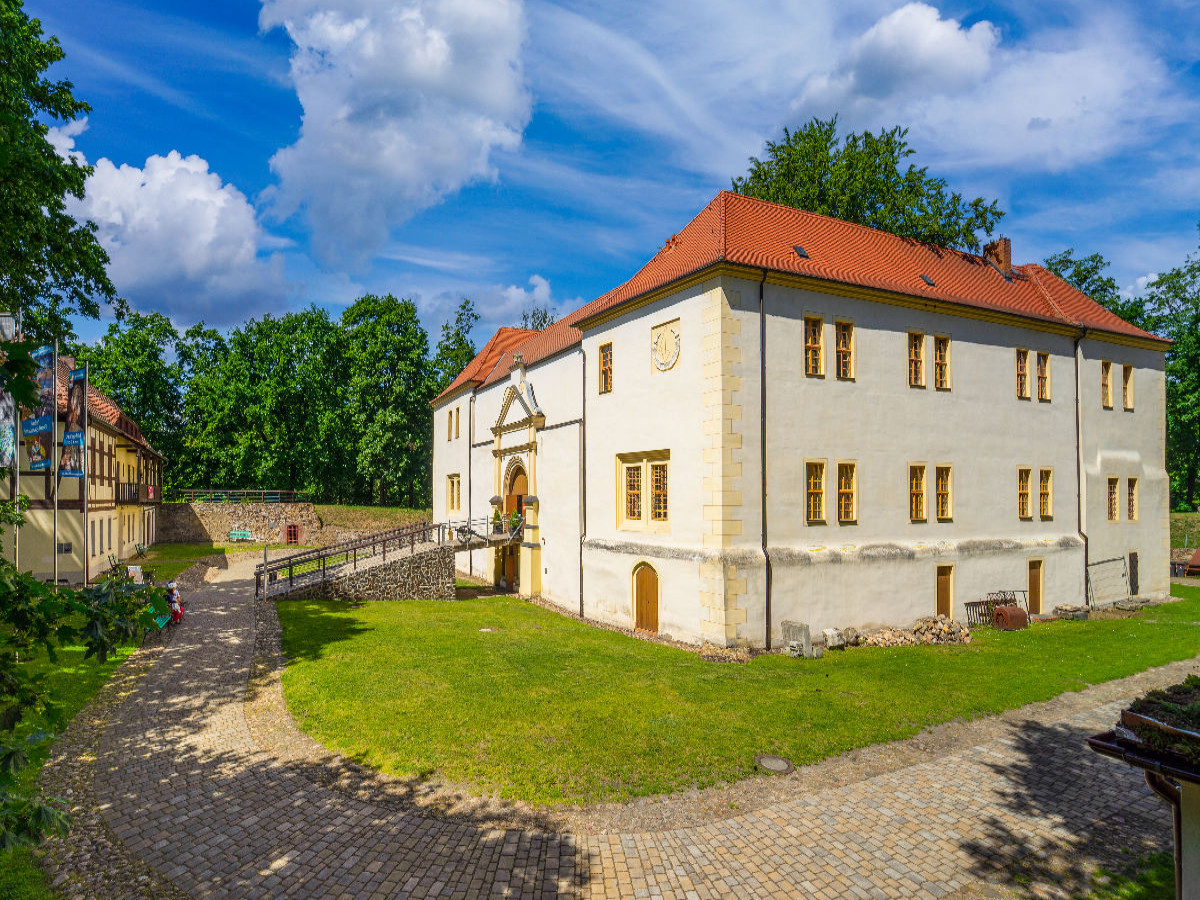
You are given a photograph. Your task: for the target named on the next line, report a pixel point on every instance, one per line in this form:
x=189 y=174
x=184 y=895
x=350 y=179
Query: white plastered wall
x=882 y=568
x=648 y=411
x=1123 y=444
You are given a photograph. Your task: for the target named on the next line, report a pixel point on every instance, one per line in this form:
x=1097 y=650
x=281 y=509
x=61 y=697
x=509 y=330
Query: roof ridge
x=856 y=225
x=1030 y=270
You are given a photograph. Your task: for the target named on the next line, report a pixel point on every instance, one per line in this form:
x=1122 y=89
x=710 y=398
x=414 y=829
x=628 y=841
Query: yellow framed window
x=1106 y=384
x=1127 y=387
x=658 y=492
x=847 y=493
x=606 y=368
x=814 y=351
x=1114 y=509
x=1023 y=478
x=453 y=493
x=814 y=490
x=943 y=496
x=1043 y=376
x=916 y=359
x=449 y=424
x=457 y=420
x=941 y=363
x=1131 y=500
x=1023 y=374
x=916 y=493
x=633 y=492
x=845 y=349
x=1046 y=493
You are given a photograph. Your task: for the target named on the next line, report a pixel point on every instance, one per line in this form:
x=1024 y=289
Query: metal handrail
x=305 y=565
x=236 y=495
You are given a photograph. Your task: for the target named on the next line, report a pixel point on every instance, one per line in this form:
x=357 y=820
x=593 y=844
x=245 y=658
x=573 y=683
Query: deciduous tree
x=51 y=266
x=861 y=180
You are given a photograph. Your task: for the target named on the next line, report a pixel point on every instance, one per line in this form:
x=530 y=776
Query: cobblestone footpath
x=214 y=803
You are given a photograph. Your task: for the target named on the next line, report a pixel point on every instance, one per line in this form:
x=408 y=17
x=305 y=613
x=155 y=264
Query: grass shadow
x=317 y=625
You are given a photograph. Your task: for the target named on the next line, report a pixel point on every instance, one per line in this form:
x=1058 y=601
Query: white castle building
x=787 y=416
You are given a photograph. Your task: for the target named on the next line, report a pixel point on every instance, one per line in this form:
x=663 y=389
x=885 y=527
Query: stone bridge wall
x=189 y=523
x=428 y=575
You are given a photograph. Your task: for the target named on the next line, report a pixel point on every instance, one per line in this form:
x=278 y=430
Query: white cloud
x=403 y=103
x=1062 y=99
x=179 y=239
x=910 y=50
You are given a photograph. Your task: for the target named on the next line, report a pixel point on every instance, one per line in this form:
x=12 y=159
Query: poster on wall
x=39 y=427
x=71 y=463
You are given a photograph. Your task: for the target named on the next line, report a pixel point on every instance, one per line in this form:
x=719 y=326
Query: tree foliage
x=391 y=381
x=862 y=180
x=455 y=348
x=134 y=364
x=1173 y=303
x=535 y=317
x=36 y=619
x=51 y=266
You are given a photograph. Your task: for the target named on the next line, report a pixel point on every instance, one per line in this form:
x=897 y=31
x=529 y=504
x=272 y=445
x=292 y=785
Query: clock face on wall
x=664 y=345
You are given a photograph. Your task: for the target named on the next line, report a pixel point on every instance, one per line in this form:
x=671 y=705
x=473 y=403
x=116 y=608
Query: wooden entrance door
x=518 y=487
x=1035 y=587
x=510 y=567
x=645 y=599
x=945 y=591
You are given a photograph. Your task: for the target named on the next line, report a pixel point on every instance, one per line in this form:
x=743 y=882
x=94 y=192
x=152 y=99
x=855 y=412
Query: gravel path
x=202 y=784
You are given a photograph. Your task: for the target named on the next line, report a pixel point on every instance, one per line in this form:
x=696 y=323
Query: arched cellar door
x=645 y=598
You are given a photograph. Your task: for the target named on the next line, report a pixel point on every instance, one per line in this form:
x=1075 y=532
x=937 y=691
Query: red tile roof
x=763 y=235
x=100 y=406
x=479 y=368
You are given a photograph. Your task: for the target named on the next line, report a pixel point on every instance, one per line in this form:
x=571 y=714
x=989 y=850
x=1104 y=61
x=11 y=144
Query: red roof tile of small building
x=100 y=406
x=763 y=235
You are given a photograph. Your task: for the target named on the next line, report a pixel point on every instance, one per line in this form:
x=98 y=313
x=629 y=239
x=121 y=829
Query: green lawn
x=369 y=518
x=1185 y=526
x=168 y=560
x=1150 y=878
x=548 y=710
x=74 y=681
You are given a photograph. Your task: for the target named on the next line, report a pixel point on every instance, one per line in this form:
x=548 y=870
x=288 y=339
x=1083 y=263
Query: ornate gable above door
x=519 y=409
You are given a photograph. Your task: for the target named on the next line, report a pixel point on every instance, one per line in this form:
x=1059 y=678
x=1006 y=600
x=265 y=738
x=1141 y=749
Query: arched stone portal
x=516 y=488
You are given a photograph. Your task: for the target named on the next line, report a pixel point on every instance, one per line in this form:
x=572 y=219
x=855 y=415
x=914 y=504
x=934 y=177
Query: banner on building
x=71 y=463
x=39 y=427
x=8 y=409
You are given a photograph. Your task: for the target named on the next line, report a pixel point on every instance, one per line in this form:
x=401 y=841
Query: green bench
x=243 y=535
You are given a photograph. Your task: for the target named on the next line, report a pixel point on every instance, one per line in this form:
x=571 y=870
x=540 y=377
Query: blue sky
x=258 y=157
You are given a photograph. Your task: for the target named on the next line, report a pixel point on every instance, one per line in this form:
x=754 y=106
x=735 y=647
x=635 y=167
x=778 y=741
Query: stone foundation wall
x=188 y=523
x=424 y=576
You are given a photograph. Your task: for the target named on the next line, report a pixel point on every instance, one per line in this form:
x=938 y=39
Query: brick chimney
x=999 y=254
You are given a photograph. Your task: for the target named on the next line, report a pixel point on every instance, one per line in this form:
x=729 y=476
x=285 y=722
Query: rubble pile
x=928 y=630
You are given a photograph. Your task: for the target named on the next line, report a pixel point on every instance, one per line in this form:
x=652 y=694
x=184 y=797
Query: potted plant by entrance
x=497 y=522
x=513 y=520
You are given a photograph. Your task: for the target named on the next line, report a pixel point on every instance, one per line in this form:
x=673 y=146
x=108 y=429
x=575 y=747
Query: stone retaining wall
x=428 y=575
x=188 y=523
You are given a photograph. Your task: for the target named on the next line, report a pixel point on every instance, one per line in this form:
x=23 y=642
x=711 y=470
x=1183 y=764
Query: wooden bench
x=243 y=535
x=139 y=551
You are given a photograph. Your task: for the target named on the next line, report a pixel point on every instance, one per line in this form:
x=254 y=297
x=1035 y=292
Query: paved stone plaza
x=192 y=777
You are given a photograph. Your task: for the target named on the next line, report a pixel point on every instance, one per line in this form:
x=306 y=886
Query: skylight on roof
x=927 y=280
x=800 y=251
